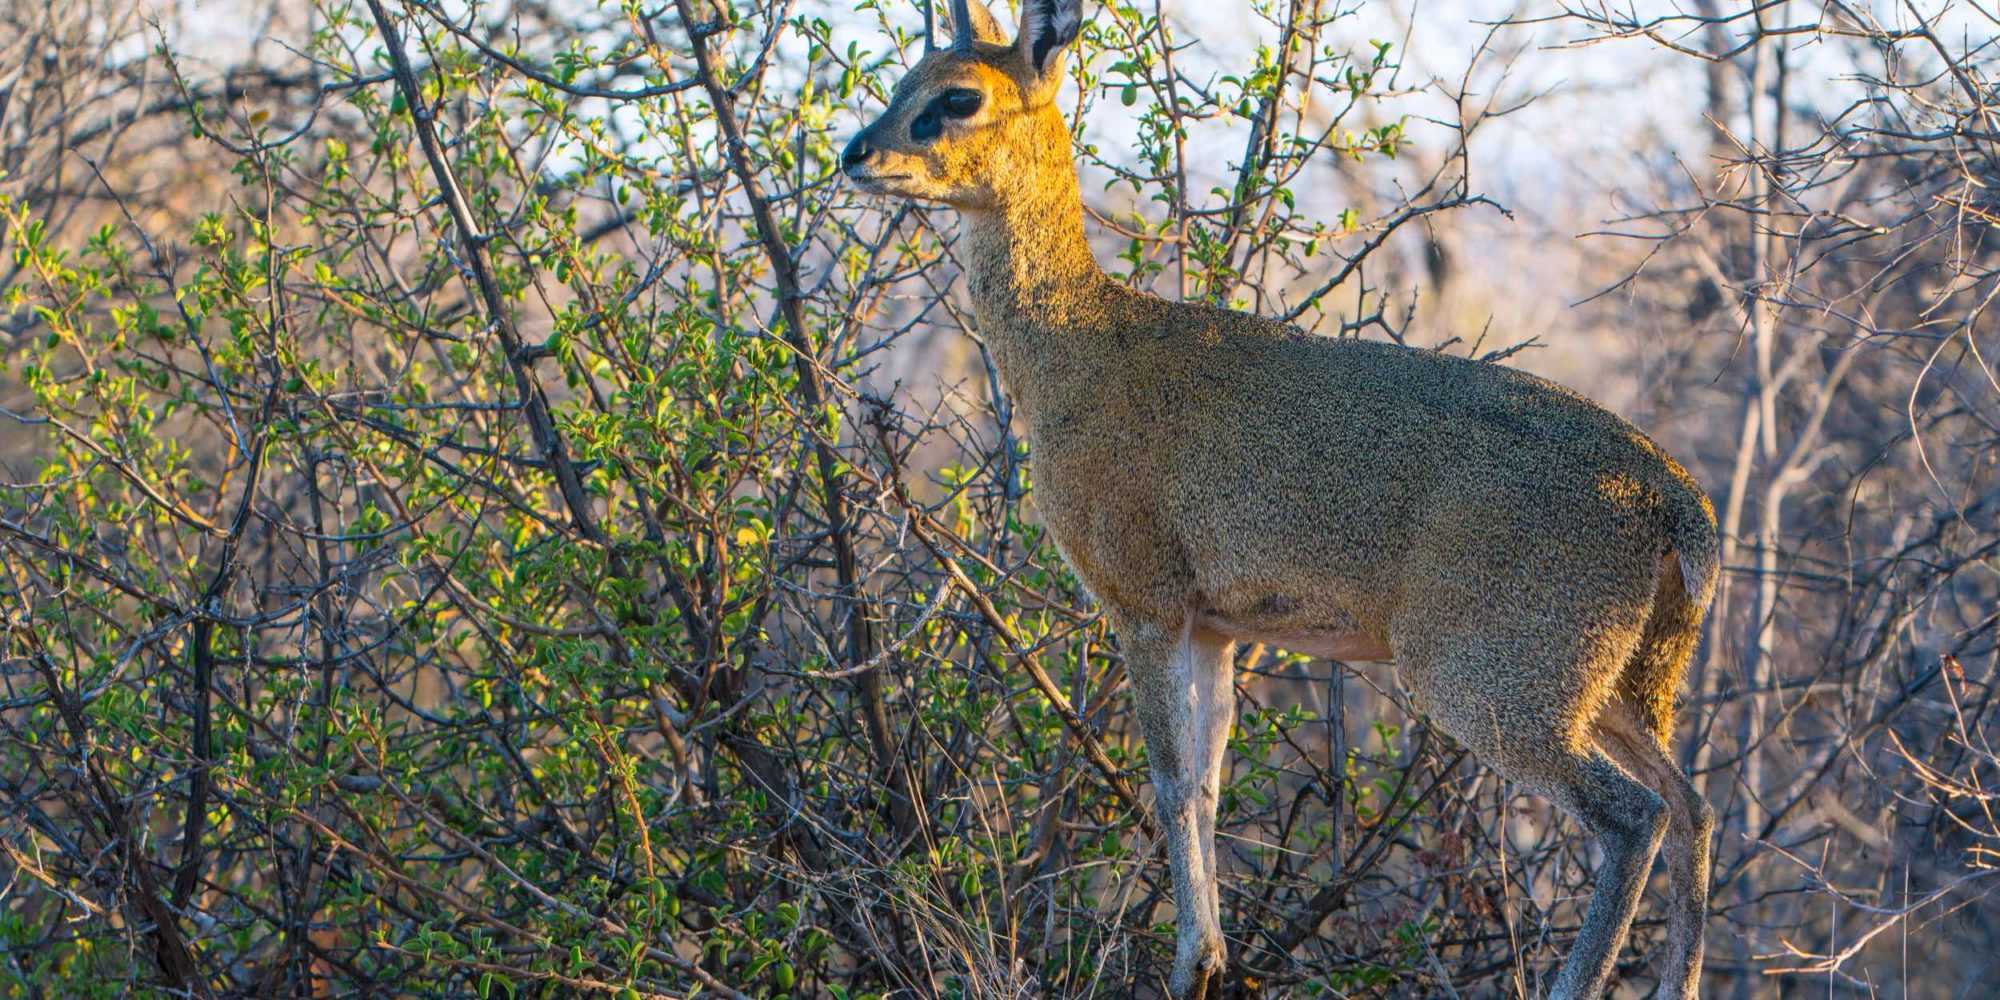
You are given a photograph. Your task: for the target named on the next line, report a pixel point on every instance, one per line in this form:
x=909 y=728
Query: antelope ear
x=1047 y=28
x=984 y=27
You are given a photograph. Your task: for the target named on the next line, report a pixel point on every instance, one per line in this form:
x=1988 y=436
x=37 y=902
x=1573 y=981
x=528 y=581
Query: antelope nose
x=857 y=153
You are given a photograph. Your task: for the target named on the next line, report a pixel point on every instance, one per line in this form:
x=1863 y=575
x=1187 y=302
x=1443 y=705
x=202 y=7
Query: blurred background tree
x=485 y=510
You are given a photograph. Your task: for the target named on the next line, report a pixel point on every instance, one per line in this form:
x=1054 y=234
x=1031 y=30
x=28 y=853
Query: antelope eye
x=960 y=102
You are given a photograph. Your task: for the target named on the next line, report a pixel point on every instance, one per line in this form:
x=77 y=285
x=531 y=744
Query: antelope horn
x=961 y=27
x=930 y=26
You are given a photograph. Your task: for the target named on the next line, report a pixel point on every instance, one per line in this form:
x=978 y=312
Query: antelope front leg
x=1174 y=674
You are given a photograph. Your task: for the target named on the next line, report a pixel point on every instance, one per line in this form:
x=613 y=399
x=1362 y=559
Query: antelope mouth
x=875 y=181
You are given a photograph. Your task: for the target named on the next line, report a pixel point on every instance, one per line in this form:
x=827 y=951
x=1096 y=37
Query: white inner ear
x=1046 y=27
x=1067 y=19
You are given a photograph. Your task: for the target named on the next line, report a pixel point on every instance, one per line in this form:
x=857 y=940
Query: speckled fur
x=1535 y=566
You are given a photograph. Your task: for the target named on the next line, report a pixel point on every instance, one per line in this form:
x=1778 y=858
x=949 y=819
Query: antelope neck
x=1029 y=259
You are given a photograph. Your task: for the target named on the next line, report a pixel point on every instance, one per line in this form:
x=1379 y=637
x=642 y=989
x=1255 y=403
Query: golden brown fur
x=1536 y=567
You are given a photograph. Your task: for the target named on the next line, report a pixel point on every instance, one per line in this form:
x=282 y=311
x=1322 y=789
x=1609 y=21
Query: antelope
x=1536 y=568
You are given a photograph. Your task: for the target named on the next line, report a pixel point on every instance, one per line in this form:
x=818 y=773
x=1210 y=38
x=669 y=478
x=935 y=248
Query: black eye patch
x=959 y=102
